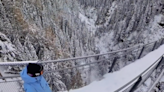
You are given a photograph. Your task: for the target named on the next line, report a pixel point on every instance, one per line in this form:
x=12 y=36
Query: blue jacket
x=34 y=84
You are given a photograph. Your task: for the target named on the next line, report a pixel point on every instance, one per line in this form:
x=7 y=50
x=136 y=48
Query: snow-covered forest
x=41 y=30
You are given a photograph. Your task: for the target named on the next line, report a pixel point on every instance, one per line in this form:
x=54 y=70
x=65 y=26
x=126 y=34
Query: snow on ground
x=155 y=30
x=113 y=81
x=103 y=42
x=90 y=22
x=111 y=12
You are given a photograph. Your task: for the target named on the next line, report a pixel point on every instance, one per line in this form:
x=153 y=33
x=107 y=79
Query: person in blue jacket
x=33 y=79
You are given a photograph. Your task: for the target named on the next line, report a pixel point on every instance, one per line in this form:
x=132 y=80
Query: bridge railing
x=132 y=85
x=107 y=62
x=157 y=81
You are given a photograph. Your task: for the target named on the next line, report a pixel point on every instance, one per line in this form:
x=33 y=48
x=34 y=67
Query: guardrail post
x=159 y=62
x=114 y=61
x=154 y=46
x=136 y=84
x=161 y=42
x=141 y=52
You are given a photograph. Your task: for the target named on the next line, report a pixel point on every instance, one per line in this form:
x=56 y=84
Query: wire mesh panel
x=10 y=86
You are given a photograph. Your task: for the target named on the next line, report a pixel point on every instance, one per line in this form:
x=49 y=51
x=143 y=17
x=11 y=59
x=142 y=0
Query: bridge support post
x=141 y=52
x=136 y=84
x=154 y=46
x=113 y=63
x=161 y=42
x=161 y=61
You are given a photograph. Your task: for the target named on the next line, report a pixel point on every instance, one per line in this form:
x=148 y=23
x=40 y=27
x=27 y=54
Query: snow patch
x=111 y=12
x=89 y=21
x=5 y=44
x=104 y=42
x=156 y=31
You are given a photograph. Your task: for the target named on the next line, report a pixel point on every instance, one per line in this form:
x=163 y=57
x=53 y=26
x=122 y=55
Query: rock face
x=55 y=29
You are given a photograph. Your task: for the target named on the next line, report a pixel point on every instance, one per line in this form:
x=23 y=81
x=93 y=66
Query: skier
x=33 y=79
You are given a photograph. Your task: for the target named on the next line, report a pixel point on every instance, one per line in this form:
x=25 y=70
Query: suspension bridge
x=97 y=60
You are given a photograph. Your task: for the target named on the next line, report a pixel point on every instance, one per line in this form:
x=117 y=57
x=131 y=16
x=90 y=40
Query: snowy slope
x=115 y=80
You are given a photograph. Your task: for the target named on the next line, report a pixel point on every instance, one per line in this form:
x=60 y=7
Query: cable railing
x=96 y=61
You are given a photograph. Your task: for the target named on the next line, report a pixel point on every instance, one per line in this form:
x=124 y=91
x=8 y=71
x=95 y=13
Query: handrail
x=98 y=61
x=118 y=90
x=62 y=60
